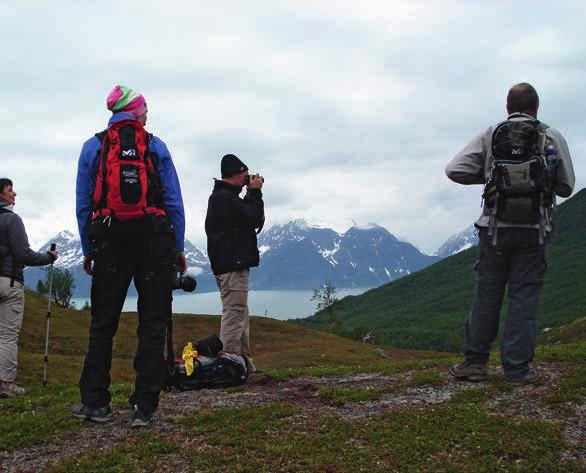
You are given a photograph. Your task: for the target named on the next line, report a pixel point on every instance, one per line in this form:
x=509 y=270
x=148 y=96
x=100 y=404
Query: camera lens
x=184 y=282
x=188 y=284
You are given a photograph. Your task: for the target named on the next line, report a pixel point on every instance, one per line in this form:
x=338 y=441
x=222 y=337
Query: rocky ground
x=396 y=392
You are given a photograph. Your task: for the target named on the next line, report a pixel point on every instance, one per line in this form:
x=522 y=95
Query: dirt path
x=304 y=393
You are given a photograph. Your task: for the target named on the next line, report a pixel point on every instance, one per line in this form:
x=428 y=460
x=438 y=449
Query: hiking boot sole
x=522 y=382
x=5 y=395
x=137 y=423
x=474 y=378
x=98 y=420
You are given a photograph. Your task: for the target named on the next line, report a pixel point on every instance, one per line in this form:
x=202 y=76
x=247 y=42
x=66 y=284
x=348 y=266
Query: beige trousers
x=11 y=312
x=235 y=326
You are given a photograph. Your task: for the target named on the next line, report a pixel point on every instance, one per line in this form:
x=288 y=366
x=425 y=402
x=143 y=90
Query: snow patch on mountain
x=328 y=254
x=458 y=242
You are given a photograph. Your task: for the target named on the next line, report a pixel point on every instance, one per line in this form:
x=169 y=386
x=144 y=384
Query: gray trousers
x=516 y=264
x=235 y=325
x=11 y=312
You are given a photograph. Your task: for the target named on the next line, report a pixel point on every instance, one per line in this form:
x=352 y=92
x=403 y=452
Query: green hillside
x=342 y=408
x=426 y=310
x=276 y=344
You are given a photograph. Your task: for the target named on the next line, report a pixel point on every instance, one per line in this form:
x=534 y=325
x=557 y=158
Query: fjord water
x=279 y=305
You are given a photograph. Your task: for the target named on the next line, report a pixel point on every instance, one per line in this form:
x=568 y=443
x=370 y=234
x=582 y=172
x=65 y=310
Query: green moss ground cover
x=274 y=438
x=42 y=414
x=462 y=434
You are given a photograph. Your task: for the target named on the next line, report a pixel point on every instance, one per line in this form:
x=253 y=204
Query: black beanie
x=231 y=165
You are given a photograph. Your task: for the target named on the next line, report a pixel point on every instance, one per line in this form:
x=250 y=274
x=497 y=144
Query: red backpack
x=128 y=186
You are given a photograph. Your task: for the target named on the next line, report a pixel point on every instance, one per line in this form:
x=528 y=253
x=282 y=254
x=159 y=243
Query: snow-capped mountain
x=197 y=259
x=69 y=248
x=71 y=258
x=71 y=255
x=300 y=256
x=293 y=256
x=458 y=242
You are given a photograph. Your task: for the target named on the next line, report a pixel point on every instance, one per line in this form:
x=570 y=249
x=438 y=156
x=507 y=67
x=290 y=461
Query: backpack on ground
x=128 y=186
x=520 y=188
x=211 y=370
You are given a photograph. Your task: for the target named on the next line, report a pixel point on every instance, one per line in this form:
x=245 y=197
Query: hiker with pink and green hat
x=131 y=223
x=124 y=99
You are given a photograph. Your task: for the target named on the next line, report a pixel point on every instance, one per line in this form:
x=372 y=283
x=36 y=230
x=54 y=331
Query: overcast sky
x=349 y=109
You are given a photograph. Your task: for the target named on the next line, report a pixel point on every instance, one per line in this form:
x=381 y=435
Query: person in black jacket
x=15 y=253
x=232 y=224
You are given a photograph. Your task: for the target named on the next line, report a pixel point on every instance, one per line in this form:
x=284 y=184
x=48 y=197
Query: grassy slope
x=466 y=433
x=276 y=344
x=473 y=431
x=427 y=309
x=571 y=333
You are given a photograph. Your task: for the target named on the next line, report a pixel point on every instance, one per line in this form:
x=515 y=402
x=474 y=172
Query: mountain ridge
x=294 y=256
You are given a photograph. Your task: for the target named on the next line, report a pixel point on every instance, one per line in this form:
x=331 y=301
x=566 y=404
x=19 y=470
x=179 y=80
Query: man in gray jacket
x=516 y=257
x=15 y=252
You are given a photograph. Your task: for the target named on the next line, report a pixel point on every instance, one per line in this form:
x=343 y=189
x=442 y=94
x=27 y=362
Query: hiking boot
x=532 y=376
x=139 y=418
x=95 y=414
x=251 y=367
x=8 y=389
x=235 y=358
x=468 y=371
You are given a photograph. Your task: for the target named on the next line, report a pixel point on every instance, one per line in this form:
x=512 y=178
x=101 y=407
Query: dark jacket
x=14 y=245
x=231 y=224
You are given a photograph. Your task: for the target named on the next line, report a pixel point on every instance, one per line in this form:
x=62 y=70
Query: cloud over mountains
x=351 y=111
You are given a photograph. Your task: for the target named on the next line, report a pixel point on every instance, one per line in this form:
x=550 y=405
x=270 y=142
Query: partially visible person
x=131 y=223
x=522 y=163
x=231 y=225
x=15 y=253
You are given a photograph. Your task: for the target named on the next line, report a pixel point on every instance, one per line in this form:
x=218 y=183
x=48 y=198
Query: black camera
x=185 y=282
x=249 y=176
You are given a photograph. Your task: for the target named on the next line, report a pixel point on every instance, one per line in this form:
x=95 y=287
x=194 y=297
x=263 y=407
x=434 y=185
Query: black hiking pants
x=516 y=264
x=150 y=262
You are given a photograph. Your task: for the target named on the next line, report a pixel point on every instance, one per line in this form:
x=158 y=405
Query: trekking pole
x=53 y=248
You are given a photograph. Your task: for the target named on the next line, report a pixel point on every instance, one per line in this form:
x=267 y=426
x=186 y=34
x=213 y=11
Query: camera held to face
x=185 y=282
x=248 y=178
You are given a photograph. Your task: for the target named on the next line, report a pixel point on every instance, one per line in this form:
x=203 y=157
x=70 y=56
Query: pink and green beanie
x=124 y=99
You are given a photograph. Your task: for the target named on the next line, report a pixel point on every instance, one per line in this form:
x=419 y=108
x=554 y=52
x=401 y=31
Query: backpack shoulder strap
x=150 y=154
x=101 y=135
x=541 y=127
x=5 y=255
x=103 y=155
x=541 y=138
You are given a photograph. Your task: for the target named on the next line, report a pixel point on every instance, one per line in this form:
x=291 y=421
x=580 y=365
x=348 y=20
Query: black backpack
x=211 y=371
x=4 y=254
x=523 y=174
